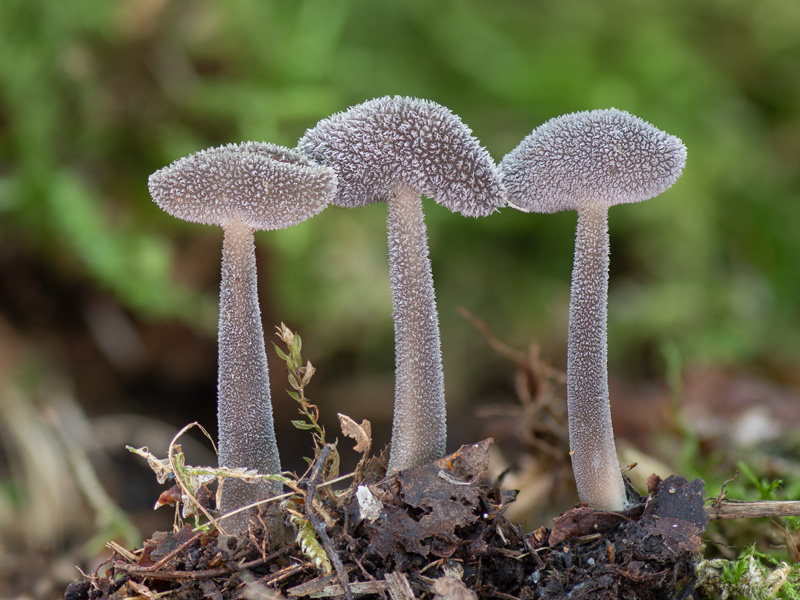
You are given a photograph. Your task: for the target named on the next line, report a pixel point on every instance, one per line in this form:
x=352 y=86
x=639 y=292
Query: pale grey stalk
x=419 y=430
x=591 y=435
x=244 y=409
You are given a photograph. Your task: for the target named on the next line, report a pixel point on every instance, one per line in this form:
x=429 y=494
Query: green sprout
x=299 y=377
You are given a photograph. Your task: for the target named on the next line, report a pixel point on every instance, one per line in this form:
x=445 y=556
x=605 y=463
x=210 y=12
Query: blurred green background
x=119 y=299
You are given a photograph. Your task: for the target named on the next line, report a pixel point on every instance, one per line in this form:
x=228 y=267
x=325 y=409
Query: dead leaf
x=450 y=588
x=169 y=497
x=428 y=507
x=160 y=467
x=142 y=590
x=362 y=433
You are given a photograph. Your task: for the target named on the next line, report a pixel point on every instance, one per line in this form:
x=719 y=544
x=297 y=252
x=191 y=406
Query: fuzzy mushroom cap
x=608 y=156
x=264 y=185
x=390 y=142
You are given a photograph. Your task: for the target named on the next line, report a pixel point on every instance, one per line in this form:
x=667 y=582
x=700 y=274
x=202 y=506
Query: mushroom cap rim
x=263 y=185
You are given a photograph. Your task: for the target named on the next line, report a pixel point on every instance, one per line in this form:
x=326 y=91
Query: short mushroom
x=394 y=150
x=588 y=162
x=243 y=188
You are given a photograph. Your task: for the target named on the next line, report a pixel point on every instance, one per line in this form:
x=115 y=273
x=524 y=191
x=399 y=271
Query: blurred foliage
x=94 y=96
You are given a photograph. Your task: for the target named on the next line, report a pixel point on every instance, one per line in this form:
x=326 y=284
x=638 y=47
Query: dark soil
x=437 y=531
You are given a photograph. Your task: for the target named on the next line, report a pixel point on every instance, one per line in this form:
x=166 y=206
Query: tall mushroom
x=588 y=162
x=394 y=150
x=243 y=188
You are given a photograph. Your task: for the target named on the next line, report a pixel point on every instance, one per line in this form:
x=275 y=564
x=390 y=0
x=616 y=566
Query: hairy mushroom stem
x=591 y=436
x=244 y=410
x=419 y=429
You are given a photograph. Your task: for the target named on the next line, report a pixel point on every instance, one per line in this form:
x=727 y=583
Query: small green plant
x=753 y=575
x=765 y=487
x=324 y=465
x=299 y=377
x=307 y=537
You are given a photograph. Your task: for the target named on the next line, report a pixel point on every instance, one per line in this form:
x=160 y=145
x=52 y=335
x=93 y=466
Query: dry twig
x=734 y=509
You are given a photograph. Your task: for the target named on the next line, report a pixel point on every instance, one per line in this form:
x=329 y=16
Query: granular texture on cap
x=383 y=144
x=607 y=156
x=264 y=185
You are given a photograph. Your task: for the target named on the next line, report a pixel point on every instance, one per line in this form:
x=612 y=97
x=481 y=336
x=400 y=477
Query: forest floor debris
x=436 y=531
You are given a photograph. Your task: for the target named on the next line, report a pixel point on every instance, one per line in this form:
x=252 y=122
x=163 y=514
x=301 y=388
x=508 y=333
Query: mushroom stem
x=244 y=410
x=419 y=430
x=591 y=437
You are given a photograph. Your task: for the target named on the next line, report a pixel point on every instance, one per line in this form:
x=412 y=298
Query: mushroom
x=243 y=188
x=588 y=162
x=394 y=150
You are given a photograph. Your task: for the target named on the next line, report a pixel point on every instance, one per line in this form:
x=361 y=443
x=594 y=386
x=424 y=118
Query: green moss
x=751 y=576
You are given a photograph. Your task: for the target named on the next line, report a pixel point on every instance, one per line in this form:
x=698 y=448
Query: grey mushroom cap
x=392 y=142
x=264 y=185
x=608 y=156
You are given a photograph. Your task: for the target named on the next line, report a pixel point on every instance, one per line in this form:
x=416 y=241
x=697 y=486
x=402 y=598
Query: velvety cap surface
x=608 y=156
x=264 y=185
x=388 y=142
